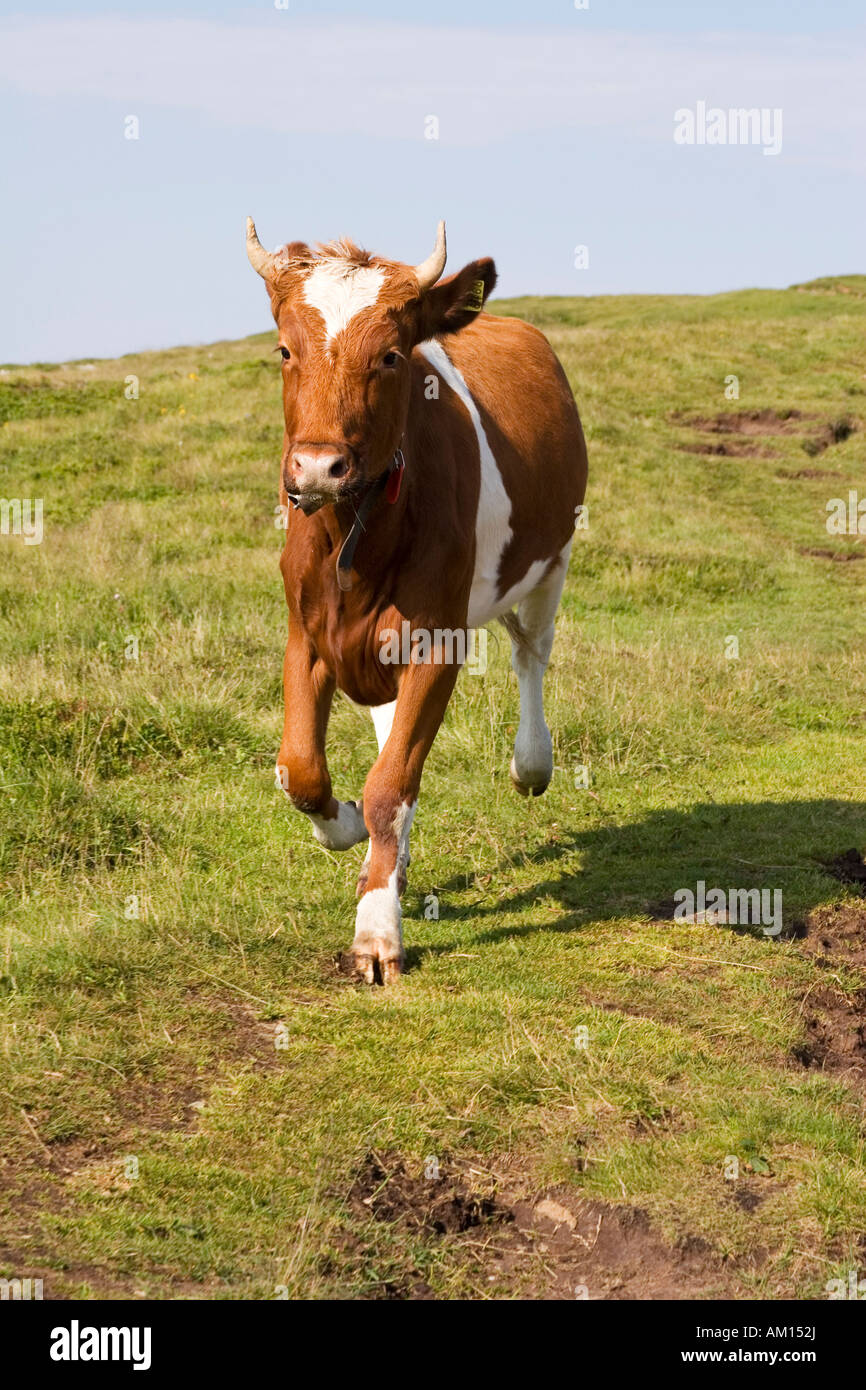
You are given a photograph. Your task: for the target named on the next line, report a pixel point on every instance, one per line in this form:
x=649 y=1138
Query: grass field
x=195 y=1102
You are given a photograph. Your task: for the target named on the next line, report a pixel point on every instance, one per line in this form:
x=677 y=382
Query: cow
x=433 y=465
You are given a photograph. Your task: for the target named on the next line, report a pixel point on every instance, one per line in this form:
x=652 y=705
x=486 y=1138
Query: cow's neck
x=372 y=524
x=379 y=491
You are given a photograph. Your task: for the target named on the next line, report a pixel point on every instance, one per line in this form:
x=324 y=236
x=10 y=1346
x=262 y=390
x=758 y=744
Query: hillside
x=194 y=1102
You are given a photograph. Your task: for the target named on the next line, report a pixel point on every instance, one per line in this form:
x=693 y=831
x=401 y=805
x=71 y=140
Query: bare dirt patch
x=168 y=1100
x=744 y=429
x=835 y=1018
x=555 y=1245
x=849 y=867
x=732 y=448
x=760 y=422
x=387 y=1191
x=747 y=1196
x=55 y=1176
x=835 y=1033
x=837 y=934
x=58 y=1284
x=565 y=1246
x=840 y=556
x=834 y=432
x=796 y=473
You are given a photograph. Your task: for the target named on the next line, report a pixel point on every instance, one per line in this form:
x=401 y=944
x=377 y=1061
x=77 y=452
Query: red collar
x=395 y=477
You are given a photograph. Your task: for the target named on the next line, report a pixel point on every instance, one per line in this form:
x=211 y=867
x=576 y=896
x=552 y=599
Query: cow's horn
x=260 y=259
x=428 y=271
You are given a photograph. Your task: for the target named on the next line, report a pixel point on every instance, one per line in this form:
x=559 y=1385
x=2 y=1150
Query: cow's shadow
x=634 y=870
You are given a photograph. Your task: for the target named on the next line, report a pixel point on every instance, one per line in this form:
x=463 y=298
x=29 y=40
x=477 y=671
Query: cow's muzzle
x=316 y=474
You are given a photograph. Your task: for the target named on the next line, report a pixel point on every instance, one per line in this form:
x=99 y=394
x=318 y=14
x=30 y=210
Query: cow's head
x=347 y=325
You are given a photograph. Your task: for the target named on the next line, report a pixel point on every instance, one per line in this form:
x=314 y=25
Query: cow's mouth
x=309 y=502
x=313 y=501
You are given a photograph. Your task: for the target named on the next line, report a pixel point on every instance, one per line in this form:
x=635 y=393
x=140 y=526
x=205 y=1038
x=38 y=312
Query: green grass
x=153 y=1036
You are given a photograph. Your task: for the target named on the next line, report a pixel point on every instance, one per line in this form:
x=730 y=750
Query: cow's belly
x=493 y=531
x=484 y=606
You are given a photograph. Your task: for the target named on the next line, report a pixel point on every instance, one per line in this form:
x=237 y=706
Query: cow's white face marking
x=340 y=290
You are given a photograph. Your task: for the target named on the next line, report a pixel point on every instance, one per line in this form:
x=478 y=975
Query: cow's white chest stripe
x=340 y=291
x=493 y=522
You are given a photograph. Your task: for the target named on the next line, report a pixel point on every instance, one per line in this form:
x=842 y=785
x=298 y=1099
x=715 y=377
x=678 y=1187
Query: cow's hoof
x=345 y=829
x=376 y=969
x=527 y=788
x=378 y=945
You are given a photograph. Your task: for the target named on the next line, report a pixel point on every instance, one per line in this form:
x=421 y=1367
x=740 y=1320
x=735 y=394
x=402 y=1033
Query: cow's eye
x=285 y=353
x=390 y=359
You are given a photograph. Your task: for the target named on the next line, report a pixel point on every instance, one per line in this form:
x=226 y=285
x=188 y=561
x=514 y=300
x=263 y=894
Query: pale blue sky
x=555 y=129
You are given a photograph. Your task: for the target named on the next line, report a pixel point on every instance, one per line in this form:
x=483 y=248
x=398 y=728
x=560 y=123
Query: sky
x=534 y=129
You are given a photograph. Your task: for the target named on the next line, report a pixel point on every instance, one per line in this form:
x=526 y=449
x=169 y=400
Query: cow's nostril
x=339 y=469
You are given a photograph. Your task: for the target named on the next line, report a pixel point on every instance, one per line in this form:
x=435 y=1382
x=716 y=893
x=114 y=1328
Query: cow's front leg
x=383 y=718
x=302 y=768
x=390 y=798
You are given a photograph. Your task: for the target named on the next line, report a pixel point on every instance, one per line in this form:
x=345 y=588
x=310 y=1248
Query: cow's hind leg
x=532 y=763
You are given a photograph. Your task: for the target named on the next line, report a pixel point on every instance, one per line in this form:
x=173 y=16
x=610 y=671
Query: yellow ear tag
x=475 y=297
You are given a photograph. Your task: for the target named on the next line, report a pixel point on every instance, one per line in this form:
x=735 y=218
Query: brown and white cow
x=433 y=463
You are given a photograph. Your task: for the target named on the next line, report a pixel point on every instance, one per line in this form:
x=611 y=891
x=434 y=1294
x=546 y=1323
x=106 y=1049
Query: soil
x=567 y=1247
x=835 y=1019
x=794 y=473
x=747 y=1196
x=825 y=553
x=835 y=1034
x=837 y=934
x=385 y=1190
x=849 y=867
x=734 y=448
x=749 y=427
x=555 y=1245
x=51 y=1177
x=759 y=422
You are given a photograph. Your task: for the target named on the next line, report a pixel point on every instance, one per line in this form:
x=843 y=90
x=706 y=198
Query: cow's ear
x=455 y=302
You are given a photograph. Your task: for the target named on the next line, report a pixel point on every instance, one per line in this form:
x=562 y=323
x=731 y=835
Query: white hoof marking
x=346 y=829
